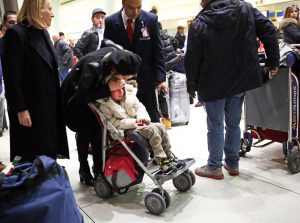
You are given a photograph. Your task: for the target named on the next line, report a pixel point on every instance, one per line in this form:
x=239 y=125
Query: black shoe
x=1 y=134
x=96 y=172
x=178 y=163
x=86 y=177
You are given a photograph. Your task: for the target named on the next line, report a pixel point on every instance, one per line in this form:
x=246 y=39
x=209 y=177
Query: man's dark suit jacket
x=149 y=48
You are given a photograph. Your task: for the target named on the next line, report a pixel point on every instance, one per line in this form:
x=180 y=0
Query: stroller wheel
x=155 y=203
x=165 y=196
x=183 y=182
x=102 y=188
x=192 y=175
x=294 y=162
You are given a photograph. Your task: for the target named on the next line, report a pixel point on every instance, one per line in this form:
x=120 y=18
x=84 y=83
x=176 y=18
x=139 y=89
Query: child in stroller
x=127 y=113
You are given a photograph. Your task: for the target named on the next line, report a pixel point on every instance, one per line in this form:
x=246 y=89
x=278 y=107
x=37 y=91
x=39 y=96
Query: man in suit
x=137 y=31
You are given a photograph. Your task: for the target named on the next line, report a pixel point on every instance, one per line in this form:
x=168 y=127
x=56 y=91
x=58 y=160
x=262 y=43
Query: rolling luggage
x=179 y=99
x=38 y=192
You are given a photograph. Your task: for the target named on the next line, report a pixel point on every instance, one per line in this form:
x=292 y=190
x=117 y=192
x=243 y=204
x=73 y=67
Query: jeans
x=230 y=110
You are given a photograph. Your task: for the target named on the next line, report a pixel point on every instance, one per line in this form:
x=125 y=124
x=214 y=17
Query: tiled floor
x=265 y=191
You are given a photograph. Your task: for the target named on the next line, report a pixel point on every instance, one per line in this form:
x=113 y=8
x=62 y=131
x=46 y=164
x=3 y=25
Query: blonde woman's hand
x=162 y=86
x=24 y=118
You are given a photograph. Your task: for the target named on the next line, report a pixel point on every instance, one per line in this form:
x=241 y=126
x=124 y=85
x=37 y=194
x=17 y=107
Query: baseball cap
x=97 y=10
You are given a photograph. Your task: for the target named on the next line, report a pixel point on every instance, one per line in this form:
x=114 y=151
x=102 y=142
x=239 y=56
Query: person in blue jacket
x=221 y=64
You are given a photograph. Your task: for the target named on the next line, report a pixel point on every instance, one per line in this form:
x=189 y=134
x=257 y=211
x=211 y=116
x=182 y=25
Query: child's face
x=117 y=95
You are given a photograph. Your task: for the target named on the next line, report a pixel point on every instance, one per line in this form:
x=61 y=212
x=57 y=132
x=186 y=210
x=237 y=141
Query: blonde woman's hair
x=30 y=13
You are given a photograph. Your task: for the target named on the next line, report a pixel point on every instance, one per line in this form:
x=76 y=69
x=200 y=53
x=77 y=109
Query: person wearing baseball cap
x=91 y=38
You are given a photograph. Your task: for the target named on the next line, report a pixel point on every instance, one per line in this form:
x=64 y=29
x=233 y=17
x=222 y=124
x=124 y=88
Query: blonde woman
x=32 y=85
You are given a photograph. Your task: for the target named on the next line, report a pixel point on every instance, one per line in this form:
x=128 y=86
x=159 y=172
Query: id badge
x=145 y=32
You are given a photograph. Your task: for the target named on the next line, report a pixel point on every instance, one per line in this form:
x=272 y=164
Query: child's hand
x=139 y=122
x=146 y=122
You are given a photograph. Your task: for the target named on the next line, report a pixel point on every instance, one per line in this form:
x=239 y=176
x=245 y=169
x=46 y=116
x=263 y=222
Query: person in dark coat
x=32 y=88
x=137 y=30
x=290 y=28
x=88 y=81
x=9 y=20
x=65 y=56
x=91 y=38
x=222 y=63
x=290 y=25
x=2 y=109
x=180 y=36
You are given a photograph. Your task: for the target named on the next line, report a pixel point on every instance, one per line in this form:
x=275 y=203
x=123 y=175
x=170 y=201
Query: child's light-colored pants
x=158 y=138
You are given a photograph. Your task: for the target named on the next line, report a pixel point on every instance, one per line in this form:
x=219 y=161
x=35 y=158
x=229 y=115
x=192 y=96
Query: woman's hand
x=24 y=118
x=115 y=84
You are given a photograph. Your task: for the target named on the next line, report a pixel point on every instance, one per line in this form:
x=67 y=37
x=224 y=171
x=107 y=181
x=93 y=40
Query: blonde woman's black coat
x=32 y=83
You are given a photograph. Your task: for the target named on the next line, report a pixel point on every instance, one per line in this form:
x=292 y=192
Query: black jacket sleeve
x=266 y=32
x=91 y=85
x=80 y=46
x=193 y=57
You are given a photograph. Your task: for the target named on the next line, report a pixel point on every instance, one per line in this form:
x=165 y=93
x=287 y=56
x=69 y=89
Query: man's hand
x=273 y=70
x=162 y=86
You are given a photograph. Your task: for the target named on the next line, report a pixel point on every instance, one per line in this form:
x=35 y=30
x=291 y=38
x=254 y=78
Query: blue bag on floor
x=38 y=192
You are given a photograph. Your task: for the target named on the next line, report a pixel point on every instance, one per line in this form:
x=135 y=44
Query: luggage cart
x=271 y=112
x=158 y=199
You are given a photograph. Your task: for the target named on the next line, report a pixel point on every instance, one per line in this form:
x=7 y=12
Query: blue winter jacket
x=222 y=58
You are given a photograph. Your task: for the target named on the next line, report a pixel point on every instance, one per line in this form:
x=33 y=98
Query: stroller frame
x=157 y=200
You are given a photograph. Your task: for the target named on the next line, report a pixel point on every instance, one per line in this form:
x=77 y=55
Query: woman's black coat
x=31 y=83
x=291 y=30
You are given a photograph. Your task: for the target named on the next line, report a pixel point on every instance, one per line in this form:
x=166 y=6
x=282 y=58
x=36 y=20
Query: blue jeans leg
x=215 y=131
x=228 y=109
x=233 y=112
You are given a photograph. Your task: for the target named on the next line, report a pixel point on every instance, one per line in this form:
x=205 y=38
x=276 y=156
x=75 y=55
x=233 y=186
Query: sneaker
x=232 y=171
x=177 y=162
x=206 y=171
x=199 y=104
x=167 y=123
x=167 y=166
